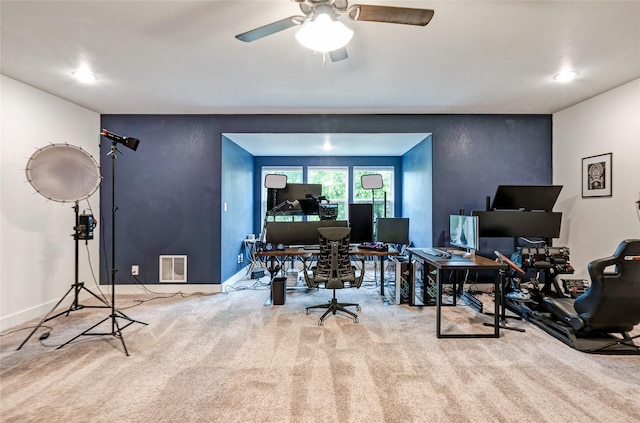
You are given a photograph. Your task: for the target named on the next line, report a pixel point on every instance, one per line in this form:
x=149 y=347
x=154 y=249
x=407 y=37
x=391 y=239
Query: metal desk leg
x=497 y=299
x=496 y=322
x=382 y=276
x=438 y=303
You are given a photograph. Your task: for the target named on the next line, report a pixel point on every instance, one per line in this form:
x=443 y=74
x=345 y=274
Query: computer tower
x=403 y=280
x=423 y=285
x=278 y=291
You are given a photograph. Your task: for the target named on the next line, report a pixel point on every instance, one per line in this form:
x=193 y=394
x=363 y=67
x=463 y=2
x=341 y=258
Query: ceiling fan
x=322 y=15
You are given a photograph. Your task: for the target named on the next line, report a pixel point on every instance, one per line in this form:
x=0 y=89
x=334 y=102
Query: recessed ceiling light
x=327 y=146
x=84 y=75
x=565 y=76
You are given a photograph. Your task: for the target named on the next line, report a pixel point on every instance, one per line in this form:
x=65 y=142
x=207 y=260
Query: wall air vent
x=173 y=269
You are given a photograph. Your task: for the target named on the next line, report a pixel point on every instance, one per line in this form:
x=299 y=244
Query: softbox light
x=63 y=173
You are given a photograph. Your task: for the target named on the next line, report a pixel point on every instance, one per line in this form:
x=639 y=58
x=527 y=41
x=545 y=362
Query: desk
x=299 y=251
x=250 y=251
x=474 y=262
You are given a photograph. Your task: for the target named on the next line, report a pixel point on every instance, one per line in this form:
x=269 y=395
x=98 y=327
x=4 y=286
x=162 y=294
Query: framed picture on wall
x=596 y=176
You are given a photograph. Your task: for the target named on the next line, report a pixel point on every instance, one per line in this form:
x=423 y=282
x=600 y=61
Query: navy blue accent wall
x=167 y=196
x=306 y=161
x=169 y=192
x=474 y=154
x=417 y=165
x=237 y=197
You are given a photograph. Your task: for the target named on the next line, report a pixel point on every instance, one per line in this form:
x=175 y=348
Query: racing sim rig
x=583 y=316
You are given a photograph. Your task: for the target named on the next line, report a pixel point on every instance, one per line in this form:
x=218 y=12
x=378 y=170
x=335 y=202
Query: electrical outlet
x=239 y=258
x=135 y=270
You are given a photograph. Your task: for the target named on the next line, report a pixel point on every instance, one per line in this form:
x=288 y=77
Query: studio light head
x=371 y=181
x=275 y=181
x=128 y=142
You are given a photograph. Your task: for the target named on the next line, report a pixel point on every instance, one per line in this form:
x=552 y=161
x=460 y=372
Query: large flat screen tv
x=507 y=223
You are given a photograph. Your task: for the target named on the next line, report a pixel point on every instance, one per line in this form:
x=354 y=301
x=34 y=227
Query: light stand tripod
x=116 y=330
x=77 y=286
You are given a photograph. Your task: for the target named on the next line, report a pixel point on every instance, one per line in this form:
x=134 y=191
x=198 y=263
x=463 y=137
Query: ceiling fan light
x=324 y=34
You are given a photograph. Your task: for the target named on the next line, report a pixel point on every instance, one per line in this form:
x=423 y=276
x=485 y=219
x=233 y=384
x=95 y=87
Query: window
x=336 y=181
x=335 y=186
x=361 y=195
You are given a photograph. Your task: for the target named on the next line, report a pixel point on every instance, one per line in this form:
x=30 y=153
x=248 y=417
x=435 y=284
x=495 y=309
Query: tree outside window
x=335 y=185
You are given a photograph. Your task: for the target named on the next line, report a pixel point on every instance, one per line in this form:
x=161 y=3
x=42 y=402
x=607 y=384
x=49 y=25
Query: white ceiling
x=181 y=57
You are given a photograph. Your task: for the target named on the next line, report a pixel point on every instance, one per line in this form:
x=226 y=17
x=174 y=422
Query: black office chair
x=333 y=270
x=610 y=305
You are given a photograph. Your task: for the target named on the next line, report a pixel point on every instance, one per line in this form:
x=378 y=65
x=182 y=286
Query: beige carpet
x=228 y=358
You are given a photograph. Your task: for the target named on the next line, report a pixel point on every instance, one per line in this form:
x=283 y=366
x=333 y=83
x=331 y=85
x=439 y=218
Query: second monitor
x=392 y=230
x=463 y=232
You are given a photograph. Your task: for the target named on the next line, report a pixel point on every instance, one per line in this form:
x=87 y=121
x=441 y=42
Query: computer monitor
x=392 y=230
x=361 y=222
x=509 y=223
x=291 y=193
x=463 y=232
x=298 y=233
x=526 y=197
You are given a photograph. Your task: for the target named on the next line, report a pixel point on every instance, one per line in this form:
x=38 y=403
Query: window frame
x=343 y=212
x=389 y=187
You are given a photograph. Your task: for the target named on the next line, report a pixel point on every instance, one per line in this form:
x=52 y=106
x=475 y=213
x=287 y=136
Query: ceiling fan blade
x=269 y=29
x=390 y=14
x=339 y=54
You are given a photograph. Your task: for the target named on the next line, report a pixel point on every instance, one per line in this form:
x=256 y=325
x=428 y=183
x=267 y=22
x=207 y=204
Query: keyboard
x=436 y=253
x=374 y=246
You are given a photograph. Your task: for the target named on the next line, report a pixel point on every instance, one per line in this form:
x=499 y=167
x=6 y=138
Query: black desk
x=299 y=251
x=474 y=262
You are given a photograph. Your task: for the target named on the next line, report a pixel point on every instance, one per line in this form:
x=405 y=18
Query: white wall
x=37 y=249
x=609 y=123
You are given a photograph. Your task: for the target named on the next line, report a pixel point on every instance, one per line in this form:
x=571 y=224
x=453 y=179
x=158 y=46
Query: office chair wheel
x=355 y=320
x=358 y=308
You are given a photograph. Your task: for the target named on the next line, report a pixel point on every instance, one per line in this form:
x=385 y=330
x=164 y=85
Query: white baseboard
x=40 y=311
x=21 y=317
